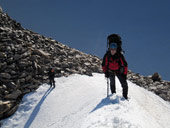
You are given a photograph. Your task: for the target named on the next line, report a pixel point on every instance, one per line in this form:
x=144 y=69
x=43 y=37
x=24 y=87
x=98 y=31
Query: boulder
x=14 y=95
x=5 y=75
x=4 y=107
x=41 y=53
x=156 y=77
x=2 y=55
x=11 y=111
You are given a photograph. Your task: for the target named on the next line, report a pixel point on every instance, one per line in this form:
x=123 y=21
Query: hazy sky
x=144 y=26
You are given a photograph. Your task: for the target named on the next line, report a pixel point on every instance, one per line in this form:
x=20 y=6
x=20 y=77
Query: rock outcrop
x=152 y=83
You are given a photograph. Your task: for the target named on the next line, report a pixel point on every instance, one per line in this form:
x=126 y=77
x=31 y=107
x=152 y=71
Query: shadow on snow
x=37 y=108
x=107 y=101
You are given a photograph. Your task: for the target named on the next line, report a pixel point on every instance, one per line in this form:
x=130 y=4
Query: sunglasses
x=113 y=49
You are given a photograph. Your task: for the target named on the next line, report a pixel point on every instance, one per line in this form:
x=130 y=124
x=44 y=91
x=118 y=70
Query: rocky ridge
x=26 y=56
x=152 y=83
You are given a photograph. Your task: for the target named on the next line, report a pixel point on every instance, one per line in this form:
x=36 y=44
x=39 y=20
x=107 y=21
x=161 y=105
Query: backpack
x=115 y=38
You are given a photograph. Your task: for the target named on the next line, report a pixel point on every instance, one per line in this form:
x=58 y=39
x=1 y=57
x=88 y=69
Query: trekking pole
x=107 y=87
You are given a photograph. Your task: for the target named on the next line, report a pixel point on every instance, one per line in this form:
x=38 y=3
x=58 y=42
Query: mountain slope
x=25 y=59
x=80 y=101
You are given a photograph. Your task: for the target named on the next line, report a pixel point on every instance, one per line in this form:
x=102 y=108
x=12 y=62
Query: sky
x=85 y=105
x=144 y=26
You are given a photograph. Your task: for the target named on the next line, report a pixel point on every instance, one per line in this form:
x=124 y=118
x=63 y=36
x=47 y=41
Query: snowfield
x=80 y=101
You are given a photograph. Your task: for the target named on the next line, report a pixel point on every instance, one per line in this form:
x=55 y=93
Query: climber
x=114 y=64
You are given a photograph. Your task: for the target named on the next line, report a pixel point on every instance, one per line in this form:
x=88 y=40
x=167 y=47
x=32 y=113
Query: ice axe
x=107 y=87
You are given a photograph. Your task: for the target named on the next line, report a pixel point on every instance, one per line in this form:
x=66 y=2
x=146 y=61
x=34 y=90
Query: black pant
x=122 y=79
x=52 y=82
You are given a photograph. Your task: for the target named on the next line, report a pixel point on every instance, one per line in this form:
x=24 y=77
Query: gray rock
x=4 y=107
x=11 y=85
x=41 y=53
x=3 y=55
x=14 y=95
x=5 y=75
x=12 y=110
x=156 y=77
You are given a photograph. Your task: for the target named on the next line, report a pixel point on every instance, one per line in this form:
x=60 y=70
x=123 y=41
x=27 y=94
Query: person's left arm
x=124 y=64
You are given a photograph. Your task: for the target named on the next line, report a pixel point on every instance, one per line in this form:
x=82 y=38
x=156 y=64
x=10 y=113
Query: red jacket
x=114 y=62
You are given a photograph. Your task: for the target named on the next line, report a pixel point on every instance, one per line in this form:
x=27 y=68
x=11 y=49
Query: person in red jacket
x=114 y=64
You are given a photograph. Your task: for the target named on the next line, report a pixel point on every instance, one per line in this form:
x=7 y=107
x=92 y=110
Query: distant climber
x=51 y=75
x=114 y=64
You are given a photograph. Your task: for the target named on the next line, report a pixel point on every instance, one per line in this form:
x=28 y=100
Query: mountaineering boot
x=125 y=96
x=54 y=86
x=113 y=92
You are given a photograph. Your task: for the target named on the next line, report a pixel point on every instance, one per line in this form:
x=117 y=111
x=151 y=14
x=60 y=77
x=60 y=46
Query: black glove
x=107 y=74
x=121 y=70
x=125 y=76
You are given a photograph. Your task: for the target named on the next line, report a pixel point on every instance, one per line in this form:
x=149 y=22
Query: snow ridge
x=80 y=101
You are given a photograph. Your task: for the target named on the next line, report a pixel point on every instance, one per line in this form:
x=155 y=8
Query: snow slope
x=80 y=101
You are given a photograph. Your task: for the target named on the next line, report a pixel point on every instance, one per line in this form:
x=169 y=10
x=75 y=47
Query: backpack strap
x=108 y=59
x=104 y=59
x=107 y=43
x=123 y=59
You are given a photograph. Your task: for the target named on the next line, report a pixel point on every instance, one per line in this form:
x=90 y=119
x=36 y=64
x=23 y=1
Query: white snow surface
x=80 y=101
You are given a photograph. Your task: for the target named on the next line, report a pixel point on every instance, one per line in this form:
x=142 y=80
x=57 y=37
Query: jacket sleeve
x=124 y=64
x=105 y=63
